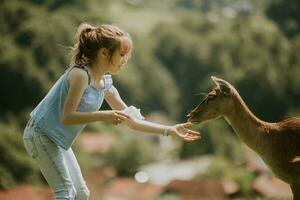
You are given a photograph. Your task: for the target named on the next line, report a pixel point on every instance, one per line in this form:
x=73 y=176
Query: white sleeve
x=134 y=112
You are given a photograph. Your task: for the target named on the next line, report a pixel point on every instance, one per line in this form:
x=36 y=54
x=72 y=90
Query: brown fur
x=278 y=144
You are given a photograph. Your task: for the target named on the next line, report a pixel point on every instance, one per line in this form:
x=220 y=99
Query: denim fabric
x=59 y=166
x=47 y=115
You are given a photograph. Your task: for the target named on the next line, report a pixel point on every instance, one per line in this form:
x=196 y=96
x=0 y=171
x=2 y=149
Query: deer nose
x=189 y=116
x=191 y=120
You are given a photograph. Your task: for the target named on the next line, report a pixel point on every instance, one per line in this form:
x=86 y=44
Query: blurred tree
x=128 y=154
x=169 y=68
x=286 y=14
x=224 y=170
x=249 y=52
x=15 y=164
x=210 y=6
x=36 y=55
x=147 y=84
x=179 y=49
x=34 y=37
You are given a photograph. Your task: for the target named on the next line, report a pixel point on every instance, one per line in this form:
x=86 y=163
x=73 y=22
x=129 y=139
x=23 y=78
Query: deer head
x=215 y=103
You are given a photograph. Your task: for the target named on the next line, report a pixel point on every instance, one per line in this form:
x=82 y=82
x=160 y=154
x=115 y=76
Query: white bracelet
x=166 y=132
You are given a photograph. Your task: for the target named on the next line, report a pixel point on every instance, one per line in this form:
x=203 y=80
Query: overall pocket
x=44 y=139
x=30 y=147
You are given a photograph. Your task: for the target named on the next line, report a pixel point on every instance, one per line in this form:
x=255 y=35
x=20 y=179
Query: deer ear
x=224 y=86
x=225 y=90
x=215 y=80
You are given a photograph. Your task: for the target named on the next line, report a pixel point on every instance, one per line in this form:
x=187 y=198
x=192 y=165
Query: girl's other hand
x=115 y=116
x=182 y=131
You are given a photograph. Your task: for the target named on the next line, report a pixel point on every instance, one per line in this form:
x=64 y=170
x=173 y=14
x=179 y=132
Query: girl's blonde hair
x=89 y=39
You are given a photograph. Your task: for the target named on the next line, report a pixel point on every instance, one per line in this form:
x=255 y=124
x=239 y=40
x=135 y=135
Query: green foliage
x=36 y=55
x=222 y=169
x=286 y=14
x=198 y=147
x=168 y=196
x=128 y=154
x=249 y=52
x=178 y=45
x=225 y=142
x=34 y=42
x=218 y=139
x=88 y=162
x=15 y=164
x=146 y=82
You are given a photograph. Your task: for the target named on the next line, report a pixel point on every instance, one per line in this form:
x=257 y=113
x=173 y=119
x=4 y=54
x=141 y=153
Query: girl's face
x=118 y=60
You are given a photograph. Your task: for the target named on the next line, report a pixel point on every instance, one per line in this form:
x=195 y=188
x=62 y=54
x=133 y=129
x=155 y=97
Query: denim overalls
x=49 y=142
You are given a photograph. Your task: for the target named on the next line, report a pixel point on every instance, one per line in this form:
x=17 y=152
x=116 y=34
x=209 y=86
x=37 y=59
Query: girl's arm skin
x=113 y=98
x=78 y=82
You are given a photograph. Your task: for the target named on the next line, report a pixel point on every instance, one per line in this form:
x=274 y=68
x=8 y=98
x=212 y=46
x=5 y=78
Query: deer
x=277 y=143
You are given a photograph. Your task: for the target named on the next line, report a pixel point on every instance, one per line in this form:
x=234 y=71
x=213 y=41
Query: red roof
x=270 y=186
x=24 y=192
x=206 y=189
x=96 y=143
x=129 y=189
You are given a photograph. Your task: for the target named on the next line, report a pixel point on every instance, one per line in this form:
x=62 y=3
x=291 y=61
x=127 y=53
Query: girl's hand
x=114 y=116
x=182 y=131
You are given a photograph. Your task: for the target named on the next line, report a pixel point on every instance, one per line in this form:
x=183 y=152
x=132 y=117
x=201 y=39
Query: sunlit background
x=178 y=45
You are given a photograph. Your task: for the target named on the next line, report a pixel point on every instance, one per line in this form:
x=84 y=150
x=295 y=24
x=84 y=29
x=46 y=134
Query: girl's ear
x=103 y=52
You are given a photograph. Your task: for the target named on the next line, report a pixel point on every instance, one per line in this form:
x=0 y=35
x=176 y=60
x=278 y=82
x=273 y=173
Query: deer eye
x=211 y=97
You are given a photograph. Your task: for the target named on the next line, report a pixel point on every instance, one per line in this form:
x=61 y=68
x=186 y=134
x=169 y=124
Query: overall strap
x=85 y=68
x=108 y=81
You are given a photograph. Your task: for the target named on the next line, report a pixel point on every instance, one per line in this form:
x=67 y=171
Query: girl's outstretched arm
x=179 y=130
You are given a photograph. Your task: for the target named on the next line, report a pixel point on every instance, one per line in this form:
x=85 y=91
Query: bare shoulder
x=78 y=75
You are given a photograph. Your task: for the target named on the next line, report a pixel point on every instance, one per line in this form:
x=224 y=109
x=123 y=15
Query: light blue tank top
x=47 y=115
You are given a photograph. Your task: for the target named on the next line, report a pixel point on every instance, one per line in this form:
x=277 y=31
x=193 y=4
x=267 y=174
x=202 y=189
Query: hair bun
x=88 y=29
x=84 y=28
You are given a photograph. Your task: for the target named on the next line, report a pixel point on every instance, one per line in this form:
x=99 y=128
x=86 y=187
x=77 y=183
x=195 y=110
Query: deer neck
x=246 y=125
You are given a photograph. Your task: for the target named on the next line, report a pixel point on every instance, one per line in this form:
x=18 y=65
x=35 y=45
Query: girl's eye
x=122 y=54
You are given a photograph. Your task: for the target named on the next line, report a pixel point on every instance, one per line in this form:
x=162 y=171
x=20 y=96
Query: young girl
x=75 y=99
